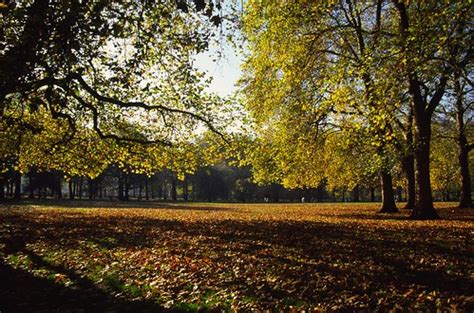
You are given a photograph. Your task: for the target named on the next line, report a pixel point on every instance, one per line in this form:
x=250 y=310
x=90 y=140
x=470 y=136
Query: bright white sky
x=225 y=71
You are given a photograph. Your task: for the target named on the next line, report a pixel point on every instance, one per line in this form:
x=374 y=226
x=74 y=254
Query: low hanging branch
x=138 y=104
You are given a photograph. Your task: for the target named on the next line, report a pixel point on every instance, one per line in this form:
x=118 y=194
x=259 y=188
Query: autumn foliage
x=190 y=257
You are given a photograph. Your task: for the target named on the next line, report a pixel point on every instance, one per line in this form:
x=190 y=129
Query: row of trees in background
x=213 y=183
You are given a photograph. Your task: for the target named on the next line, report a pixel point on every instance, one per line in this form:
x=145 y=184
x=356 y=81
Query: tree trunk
x=140 y=191
x=463 y=156
x=120 y=190
x=17 y=185
x=408 y=165
x=185 y=188
x=372 y=194
x=126 y=185
x=355 y=194
x=70 y=190
x=81 y=183
x=466 y=200
x=147 y=191
x=423 y=111
x=174 y=193
x=423 y=208
x=91 y=188
x=388 y=200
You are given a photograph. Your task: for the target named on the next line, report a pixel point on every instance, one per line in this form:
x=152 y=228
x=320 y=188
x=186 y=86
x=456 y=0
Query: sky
x=225 y=71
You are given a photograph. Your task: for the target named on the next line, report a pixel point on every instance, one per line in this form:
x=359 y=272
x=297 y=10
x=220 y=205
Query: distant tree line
x=212 y=183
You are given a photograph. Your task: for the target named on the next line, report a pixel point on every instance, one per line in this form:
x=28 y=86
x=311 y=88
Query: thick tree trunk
x=388 y=199
x=466 y=200
x=463 y=156
x=423 y=111
x=423 y=208
x=408 y=165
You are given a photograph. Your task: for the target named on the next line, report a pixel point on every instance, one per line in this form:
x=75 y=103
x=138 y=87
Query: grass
x=227 y=257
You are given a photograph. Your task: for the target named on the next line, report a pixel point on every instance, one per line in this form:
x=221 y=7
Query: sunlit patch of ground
x=146 y=256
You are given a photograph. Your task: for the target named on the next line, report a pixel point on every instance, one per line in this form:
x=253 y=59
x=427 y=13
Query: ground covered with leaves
x=148 y=257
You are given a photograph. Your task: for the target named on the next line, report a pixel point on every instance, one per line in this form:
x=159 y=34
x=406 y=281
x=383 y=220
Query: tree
x=428 y=35
x=315 y=68
x=464 y=113
x=324 y=63
x=122 y=73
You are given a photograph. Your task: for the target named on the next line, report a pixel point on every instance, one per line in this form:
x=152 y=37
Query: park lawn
x=151 y=256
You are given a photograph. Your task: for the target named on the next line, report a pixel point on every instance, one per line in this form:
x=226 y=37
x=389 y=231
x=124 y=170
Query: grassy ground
x=82 y=257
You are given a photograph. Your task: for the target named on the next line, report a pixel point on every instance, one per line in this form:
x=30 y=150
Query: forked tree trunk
x=388 y=200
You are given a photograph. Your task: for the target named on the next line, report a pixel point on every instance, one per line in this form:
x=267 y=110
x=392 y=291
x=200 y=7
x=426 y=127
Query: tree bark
x=463 y=156
x=388 y=199
x=408 y=165
x=423 y=208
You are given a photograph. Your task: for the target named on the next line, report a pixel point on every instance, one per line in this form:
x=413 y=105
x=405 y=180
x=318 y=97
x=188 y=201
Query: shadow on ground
x=379 y=257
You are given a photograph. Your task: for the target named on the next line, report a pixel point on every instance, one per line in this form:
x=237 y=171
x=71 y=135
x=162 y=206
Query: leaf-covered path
x=81 y=257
